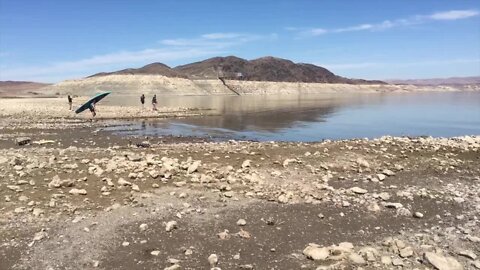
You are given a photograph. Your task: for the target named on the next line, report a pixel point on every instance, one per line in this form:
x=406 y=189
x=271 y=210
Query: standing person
x=70 y=101
x=92 y=109
x=154 y=102
x=142 y=100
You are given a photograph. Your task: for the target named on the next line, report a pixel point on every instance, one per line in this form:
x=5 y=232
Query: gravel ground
x=75 y=197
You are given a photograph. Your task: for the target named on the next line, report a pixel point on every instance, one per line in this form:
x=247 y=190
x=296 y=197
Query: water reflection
x=316 y=117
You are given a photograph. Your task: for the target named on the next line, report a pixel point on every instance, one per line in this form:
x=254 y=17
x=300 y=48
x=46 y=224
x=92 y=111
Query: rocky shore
x=83 y=198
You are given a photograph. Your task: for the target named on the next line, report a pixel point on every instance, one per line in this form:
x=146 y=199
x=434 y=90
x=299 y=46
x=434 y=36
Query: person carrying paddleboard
x=70 y=101
x=92 y=109
x=142 y=100
x=154 y=102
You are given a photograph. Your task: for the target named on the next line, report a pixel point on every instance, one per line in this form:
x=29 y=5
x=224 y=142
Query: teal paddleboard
x=94 y=99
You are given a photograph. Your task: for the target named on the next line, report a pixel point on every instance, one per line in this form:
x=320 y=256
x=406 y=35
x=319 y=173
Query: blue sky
x=55 y=40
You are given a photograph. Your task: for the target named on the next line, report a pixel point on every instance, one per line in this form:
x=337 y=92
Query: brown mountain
x=261 y=69
x=150 y=69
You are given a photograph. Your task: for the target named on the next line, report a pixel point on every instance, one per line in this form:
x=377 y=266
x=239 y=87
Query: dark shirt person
x=154 y=102
x=70 y=101
x=142 y=100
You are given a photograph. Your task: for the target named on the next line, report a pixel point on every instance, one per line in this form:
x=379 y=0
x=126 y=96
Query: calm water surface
x=318 y=117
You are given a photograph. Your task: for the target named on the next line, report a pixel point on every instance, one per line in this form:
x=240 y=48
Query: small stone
x=244 y=234
x=123 y=182
x=468 y=253
x=381 y=176
x=75 y=191
x=241 y=222
x=406 y=252
x=143 y=227
x=170 y=225
x=386 y=260
x=316 y=253
x=193 y=167
x=358 y=190
x=418 y=215
x=397 y=262
x=125 y=244
x=213 y=260
x=357 y=259
x=173 y=267
x=23 y=141
x=155 y=252
x=246 y=164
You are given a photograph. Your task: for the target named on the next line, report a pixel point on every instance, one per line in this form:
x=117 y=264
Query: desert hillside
x=268 y=68
x=20 y=88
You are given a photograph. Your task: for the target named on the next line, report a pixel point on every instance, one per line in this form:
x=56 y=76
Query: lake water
x=317 y=117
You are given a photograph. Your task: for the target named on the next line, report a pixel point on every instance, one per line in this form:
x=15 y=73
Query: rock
x=246 y=164
x=224 y=235
x=55 y=183
x=173 y=267
x=468 y=253
x=374 y=207
x=441 y=262
x=386 y=260
x=75 y=191
x=213 y=260
x=358 y=190
x=418 y=215
x=357 y=259
x=397 y=262
x=23 y=141
x=316 y=253
x=169 y=226
x=393 y=205
x=362 y=162
x=404 y=212
x=381 y=176
x=144 y=144
x=143 y=227
x=135 y=187
x=244 y=234
x=282 y=198
x=37 y=212
x=123 y=182
x=476 y=264
x=384 y=196
x=193 y=167
x=241 y=222
x=406 y=252
x=473 y=239
x=154 y=174
x=155 y=252
x=388 y=172
x=125 y=244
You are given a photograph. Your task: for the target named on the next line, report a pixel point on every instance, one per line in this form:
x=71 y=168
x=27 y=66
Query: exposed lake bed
x=134 y=195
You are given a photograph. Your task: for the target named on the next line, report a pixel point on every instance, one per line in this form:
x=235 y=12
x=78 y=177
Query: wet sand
x=78 y=197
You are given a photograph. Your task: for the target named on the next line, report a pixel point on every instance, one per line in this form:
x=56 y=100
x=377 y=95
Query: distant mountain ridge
x=231 y=67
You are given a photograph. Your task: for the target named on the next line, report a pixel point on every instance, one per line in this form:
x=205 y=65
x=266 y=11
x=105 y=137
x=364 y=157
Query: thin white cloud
x=454 y=15
x=170 y=50
x=388 y=24
x=221 y=35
